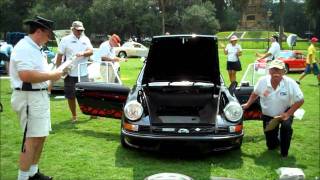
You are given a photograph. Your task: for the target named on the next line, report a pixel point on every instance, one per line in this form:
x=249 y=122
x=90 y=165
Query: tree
x=294 y=14
x=313 y=12
x=281 y=7
x=13 y=13
x=200 y=19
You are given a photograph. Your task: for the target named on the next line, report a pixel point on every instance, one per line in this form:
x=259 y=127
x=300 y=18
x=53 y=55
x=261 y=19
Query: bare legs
x=72 y=107
x=304 y=75
x=232 y=75
x=33 y=148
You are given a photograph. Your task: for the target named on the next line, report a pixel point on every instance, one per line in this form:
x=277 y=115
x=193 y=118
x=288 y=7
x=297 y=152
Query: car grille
x=200 y=130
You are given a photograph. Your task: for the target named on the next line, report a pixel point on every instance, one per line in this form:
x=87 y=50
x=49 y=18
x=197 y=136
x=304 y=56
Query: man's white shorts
x=38 y=117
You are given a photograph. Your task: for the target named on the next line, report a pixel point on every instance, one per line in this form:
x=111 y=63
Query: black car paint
x=208 y=98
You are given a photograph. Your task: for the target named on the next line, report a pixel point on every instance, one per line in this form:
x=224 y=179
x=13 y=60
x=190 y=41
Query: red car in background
x=294 y=60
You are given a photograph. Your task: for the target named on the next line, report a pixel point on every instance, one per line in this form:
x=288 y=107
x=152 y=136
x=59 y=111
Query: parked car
x=131 y=49
x=294 y=60
x=179 y=99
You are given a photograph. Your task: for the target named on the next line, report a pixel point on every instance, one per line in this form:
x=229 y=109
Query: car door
x=100 y=98
x=243 y=91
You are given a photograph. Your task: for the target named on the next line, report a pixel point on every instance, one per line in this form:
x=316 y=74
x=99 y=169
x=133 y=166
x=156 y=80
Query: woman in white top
x=233 y=51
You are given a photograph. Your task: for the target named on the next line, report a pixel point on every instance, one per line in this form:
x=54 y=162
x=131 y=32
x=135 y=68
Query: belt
x=42 y=89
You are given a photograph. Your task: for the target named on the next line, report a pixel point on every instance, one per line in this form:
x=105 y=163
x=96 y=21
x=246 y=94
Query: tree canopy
x=153 y=17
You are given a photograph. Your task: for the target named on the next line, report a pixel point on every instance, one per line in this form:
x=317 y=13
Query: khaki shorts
x=38 y=119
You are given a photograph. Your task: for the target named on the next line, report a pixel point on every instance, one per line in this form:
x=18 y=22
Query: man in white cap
x=280 y=96
x=79 y=45
x=233 y=51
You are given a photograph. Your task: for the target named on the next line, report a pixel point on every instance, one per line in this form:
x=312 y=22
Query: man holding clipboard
x=280 y=96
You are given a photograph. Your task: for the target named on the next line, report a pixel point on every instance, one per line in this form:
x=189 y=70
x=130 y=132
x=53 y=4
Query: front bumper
x=205 y=143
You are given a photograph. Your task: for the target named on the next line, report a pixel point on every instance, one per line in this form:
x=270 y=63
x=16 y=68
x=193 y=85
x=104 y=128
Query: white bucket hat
x=277 y=64
x=77 y=25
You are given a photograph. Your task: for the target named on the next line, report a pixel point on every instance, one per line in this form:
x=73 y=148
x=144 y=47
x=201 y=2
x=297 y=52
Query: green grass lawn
x=91 y=149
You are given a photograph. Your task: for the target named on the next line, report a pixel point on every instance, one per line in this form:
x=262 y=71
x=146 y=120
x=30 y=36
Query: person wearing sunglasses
x=76 y=46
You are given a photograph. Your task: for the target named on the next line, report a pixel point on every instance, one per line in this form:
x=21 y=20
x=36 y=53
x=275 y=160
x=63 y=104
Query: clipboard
x=273 y=123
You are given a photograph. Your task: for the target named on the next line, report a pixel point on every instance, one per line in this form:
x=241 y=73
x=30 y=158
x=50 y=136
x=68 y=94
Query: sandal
x=74 y=119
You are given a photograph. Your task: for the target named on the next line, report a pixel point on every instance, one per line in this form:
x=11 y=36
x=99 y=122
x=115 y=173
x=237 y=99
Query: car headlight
x=133 y=110
x=233 y=111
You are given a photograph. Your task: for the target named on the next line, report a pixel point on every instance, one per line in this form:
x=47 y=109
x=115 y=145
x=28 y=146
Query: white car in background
x=131 y=49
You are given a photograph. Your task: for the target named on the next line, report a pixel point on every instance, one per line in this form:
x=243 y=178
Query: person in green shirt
x=311 y=61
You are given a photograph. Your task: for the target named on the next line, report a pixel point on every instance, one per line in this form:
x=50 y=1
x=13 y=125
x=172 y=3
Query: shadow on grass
x=67 y=125
x=104 y=135
x=253 y=138
x=196 y=165
x=272 y=159
x=314 y=85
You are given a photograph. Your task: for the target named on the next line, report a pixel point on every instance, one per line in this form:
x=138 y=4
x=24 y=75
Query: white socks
x=33 y=170
x=24 y=175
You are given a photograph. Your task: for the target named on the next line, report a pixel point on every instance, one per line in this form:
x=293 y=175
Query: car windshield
x=127 y=45
x=253 y=73
x=285 y=54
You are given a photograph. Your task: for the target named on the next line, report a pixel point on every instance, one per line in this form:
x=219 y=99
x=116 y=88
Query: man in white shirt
x=29 y=73
x=280 y=96
x=75 y=44
x=273 y=51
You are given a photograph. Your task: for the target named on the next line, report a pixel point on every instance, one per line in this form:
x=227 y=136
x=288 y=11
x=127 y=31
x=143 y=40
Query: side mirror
x=233 y=87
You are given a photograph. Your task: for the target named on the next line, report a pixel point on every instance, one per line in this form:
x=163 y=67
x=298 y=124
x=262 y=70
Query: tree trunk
x=281 y=4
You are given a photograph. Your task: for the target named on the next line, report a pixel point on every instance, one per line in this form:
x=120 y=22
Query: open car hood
x=175 y=58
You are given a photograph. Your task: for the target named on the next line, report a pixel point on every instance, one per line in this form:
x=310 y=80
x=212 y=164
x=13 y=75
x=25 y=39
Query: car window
x=298 y=56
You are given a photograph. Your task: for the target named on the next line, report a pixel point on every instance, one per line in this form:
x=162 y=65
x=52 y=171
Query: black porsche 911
x=179 y=99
